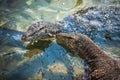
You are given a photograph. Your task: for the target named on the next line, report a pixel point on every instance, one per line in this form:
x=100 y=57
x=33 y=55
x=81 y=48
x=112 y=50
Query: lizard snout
x=26 y=38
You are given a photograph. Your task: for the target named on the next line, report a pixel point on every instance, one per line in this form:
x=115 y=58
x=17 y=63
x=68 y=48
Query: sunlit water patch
x=18 y=15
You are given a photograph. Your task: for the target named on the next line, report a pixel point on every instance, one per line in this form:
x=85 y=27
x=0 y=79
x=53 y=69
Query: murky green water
x=53 y=63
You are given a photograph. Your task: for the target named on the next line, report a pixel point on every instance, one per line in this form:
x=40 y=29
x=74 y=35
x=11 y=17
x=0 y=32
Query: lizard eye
x=46 y=31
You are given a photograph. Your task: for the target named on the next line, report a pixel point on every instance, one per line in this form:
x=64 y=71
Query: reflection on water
x=41 y=59
x=37 y=46
x=33 y=52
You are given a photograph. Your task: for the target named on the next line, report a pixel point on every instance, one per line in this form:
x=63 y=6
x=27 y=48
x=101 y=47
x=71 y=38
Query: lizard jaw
x=37 y=35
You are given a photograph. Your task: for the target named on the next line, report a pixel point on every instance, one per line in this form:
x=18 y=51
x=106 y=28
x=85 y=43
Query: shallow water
x=53 y=63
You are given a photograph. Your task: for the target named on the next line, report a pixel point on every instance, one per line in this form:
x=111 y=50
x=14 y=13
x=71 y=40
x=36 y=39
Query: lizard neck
x=89 y=50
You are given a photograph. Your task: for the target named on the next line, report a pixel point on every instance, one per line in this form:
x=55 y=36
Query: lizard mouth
x=25 y=38
x=35 y=35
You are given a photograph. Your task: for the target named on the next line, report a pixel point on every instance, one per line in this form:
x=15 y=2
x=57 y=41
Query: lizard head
x=41 y=29
x=70 y=41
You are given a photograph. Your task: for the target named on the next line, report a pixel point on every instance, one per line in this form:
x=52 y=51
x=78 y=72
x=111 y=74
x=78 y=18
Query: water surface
x=53 y=63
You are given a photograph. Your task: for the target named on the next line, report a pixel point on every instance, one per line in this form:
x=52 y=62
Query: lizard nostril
x=24 y=37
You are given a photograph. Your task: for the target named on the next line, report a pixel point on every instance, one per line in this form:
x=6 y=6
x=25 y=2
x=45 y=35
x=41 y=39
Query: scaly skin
x=101 y=66
x=93 y=21
x=41 y=29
